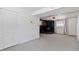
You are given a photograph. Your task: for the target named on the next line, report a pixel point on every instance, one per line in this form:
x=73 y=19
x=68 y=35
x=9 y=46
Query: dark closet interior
x=47 y=26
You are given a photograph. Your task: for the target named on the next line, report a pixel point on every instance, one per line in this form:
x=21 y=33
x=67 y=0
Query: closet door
x=9 y=28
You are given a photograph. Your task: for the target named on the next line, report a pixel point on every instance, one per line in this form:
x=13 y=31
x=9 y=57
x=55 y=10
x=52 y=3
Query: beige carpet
x=47 y=42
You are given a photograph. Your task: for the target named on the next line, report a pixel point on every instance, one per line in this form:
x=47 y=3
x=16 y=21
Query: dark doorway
x=47 y=26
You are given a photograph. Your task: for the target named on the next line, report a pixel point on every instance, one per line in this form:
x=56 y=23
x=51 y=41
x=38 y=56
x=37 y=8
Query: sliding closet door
x=72 y=25
x=9 y=28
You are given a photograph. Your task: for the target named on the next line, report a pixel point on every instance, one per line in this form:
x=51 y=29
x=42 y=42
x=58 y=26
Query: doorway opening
x=47 y=26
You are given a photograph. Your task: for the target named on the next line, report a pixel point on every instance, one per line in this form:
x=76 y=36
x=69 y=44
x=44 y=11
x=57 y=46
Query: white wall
x=72 y=26
x=17 y=10
x=27 y=30
x=70 y=23
x=17 y=27
x=78 y=28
